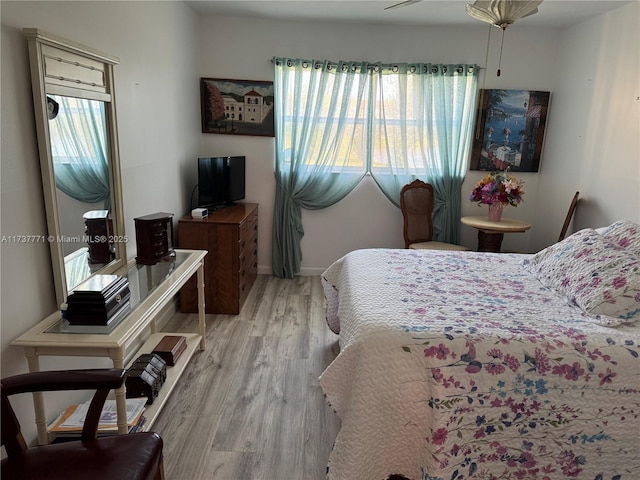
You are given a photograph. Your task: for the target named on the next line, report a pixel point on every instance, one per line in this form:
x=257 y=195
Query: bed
x=460 y=365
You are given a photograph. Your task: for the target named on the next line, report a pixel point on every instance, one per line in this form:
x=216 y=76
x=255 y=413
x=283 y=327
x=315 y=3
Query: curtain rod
x=411 y=63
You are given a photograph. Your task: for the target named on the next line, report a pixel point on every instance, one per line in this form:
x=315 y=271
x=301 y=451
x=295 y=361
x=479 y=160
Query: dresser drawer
x=247 y=275
x=250 y=224
x=248 y=243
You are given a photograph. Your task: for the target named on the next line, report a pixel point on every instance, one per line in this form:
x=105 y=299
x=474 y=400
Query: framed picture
x=237 y=107
x=509 y=131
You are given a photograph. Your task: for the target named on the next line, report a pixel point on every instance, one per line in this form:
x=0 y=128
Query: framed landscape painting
x=510 y=130
x=237 y=107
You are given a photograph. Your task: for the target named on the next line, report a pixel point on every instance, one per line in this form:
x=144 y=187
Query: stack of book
x=68 y=426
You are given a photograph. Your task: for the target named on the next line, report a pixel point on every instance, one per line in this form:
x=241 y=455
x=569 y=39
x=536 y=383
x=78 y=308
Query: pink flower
x=606 y=377
x=570 y=372
x=439 y=436
x=439 y=352
x=541 y=362
x=494 y=369
x=619 y=282
x=495 y=353
x=512 y=362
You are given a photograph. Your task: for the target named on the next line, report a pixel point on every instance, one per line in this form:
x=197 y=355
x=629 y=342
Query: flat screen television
x=221 y=181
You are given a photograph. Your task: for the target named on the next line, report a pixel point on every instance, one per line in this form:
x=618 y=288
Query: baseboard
x=304 y=272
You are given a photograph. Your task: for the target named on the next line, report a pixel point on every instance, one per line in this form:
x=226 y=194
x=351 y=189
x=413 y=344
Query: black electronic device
x=221 y=180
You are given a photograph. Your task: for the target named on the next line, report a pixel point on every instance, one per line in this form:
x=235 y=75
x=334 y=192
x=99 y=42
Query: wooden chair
x=416 y=203
x=136 y=456
x=567 y=220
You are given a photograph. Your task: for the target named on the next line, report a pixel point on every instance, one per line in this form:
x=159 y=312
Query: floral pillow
x=549 y=263
x=594 y=274
x=625 y=234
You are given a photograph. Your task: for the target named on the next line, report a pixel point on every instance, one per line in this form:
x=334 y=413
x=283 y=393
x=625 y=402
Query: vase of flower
x=495 y=212
x=498 y=190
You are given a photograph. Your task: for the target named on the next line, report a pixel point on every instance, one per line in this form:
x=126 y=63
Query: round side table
x=490 y=234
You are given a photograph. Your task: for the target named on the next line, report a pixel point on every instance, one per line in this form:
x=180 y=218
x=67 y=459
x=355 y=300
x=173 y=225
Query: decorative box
x=170 y=348
x=98 y=300
x=142 y=382
x=99 y=232
x=154 y=238
x=156 y=362
x=146 y=377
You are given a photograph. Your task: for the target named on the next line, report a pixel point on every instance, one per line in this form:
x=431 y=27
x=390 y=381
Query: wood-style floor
x=249 y=407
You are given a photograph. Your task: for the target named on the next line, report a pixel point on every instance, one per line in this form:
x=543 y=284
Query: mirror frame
x=62 y=67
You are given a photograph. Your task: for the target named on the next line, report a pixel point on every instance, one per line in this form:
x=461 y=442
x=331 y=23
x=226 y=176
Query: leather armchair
x=136 y=456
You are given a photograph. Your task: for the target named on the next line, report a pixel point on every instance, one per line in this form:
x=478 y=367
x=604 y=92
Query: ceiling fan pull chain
x=501 y=44
x=484 y=79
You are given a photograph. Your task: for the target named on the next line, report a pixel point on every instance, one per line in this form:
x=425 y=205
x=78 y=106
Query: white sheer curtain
x=79 y=149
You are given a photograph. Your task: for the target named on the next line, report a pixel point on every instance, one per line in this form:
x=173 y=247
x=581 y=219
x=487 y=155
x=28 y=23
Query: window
x=369 y=117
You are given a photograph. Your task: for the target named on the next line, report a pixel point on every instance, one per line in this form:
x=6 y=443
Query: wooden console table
x=152 y=287
x=490 y=234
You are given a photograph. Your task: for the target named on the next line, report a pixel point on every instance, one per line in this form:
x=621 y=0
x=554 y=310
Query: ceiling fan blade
x=406 y=3
x=502 y=13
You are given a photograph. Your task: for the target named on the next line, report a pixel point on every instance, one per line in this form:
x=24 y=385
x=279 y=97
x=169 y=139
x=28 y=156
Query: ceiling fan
x=499 y=13
x=502 y=13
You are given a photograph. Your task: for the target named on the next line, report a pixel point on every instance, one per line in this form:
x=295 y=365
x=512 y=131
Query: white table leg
x=117 y=357
x=38 y=398
x=201 y=306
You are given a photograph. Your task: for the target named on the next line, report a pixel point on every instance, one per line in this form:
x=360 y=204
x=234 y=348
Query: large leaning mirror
x=75 y=113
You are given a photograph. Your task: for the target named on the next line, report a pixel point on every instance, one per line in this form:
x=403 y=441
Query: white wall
x=158 y=119
x=365 y=218
x=593 y=142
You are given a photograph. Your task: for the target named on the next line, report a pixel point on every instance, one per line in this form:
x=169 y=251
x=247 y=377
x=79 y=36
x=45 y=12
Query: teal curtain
x=319 y=109
x=422 y=126
x=337 y=121
x=79 y=150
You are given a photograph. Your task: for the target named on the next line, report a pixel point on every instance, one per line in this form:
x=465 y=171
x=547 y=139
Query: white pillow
x=594 y=274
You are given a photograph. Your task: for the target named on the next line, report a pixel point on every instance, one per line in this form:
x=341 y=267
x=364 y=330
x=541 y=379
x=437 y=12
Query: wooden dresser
x=230 y=235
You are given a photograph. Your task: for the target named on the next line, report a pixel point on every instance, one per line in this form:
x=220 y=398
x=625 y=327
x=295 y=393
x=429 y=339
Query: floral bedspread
x=460 y=365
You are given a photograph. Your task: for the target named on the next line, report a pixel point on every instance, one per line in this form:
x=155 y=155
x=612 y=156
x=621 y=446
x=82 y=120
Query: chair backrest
x=416 y=203
x=102 y=381
x=12 y=438
x=567 y=220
